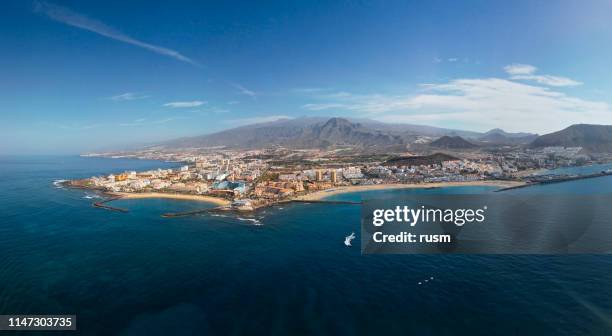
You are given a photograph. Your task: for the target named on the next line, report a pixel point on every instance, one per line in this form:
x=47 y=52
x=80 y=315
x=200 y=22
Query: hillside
x=294 y=133
x=321 y=132
x=452 y=142
x=498 y=136
x=436 y=158
x=594 y=138
x=315 y=132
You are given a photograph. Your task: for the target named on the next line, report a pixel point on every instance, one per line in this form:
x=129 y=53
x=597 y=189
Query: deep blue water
x=140 y=274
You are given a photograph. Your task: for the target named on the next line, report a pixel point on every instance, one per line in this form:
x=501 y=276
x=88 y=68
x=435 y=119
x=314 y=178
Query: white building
x=352 y=173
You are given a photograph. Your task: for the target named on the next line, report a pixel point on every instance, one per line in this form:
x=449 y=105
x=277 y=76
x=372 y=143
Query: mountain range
x=294 y=133
x=319 y=132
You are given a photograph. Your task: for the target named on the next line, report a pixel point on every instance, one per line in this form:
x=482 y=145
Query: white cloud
x=128 y=96
x=307 y=90
x=527 y=72
x=146 y=122
x=520 y=69
x=477 y=104
x=548 y=80
x=364 y=103
x=77 y=127
x=245 y=91
x=183 y=104
x=71 y=18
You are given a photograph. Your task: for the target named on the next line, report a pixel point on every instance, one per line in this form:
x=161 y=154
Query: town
x=251 y=179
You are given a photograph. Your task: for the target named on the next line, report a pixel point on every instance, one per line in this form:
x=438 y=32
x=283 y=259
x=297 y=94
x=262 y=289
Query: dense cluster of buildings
x=255 y=177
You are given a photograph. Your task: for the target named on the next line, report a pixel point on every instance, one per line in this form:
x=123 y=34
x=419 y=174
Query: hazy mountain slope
x=595 y=138
x=452 y=142
x=415 y=130
x=321 y=132
x=297 y=133
x=499 y=136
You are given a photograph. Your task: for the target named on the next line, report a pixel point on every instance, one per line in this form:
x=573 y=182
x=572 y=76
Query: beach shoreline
x=187 y=197
x=319 y=195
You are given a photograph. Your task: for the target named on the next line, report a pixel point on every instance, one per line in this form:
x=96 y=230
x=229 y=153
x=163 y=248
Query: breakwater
x=102 y=204
x=550 y=179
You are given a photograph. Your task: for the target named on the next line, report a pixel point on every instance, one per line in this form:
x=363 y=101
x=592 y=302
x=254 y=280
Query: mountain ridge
x=452 y=142
x=594 y=138
x=323 y=132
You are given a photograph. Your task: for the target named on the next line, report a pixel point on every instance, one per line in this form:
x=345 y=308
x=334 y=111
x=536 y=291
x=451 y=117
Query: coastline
x=319 y=195
x=187 y=197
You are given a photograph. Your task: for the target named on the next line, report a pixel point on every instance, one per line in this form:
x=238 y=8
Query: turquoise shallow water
x=140 y=274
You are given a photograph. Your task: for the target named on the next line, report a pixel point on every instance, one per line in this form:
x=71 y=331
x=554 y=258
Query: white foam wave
x=58 y=183
x=253 y=220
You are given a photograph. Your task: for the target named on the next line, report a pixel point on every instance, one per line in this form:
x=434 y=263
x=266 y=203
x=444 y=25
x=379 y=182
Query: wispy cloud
x=217 y=110
x=128 y=96
x=480 y=103
x=307 y=90
x=520 y=69
x=71 y=18
x=184 y=104
x=244 y=90
x=548 y=80
x=527 y=72
x=363 y=103
x=493 y=102
x=255 y=120
x=77 y=127
x=146 y=122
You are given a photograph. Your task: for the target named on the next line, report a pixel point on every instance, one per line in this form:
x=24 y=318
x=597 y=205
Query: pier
x=550 y=179
x=102 y=204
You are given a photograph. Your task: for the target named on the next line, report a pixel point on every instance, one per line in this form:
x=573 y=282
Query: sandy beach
x=200 y=198
x=318 y=195
x=348 y=189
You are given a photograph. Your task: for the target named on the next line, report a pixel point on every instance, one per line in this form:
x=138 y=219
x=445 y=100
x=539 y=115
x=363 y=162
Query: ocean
x=282 y=271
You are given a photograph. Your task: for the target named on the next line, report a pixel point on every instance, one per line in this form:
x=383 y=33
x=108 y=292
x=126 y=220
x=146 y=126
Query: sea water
x=282 y=271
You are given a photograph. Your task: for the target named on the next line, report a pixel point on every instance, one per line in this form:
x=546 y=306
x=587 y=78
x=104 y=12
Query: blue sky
x=76 y=76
